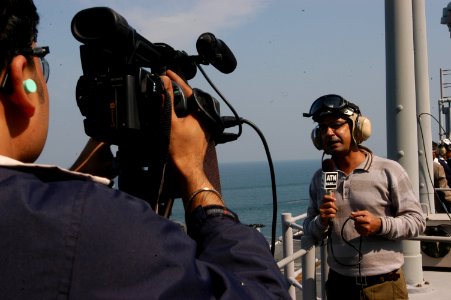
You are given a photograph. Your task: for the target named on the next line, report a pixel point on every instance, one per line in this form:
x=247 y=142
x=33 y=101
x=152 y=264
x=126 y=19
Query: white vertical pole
x=287 y=234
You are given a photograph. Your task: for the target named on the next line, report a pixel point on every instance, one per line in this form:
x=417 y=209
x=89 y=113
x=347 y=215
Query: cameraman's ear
x=22 y=89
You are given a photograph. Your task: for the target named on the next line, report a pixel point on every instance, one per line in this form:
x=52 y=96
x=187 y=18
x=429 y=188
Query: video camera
x=120 y=92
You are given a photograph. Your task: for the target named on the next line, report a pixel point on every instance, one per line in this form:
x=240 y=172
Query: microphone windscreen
x=328 y=165
x=216 y=52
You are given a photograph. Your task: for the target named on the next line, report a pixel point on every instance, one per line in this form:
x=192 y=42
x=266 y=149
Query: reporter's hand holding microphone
x=328 y=208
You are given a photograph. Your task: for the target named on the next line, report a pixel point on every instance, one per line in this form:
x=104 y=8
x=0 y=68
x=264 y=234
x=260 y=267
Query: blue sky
x=289 y=53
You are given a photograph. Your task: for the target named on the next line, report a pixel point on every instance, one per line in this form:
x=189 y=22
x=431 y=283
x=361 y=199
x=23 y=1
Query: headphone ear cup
x=316 y=138
x=362 y=130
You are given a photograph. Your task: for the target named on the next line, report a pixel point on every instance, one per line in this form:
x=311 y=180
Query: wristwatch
x=200 y=214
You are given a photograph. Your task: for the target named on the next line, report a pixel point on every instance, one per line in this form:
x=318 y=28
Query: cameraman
x=68 y=235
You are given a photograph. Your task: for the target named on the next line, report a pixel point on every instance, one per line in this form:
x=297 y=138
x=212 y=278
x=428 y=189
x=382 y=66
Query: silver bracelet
x=204 y=189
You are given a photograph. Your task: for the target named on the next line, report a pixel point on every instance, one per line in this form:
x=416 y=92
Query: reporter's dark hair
x=18 y=27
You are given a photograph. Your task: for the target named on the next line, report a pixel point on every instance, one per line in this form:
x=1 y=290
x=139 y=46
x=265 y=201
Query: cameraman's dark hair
x=18 y=27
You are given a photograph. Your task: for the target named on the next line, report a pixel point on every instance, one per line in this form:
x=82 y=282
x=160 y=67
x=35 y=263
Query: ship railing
x=303 y=277
x=432 y=238
x=291 y=230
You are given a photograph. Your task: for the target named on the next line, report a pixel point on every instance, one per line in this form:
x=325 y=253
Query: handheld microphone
x=330 y=177
x=216 y=52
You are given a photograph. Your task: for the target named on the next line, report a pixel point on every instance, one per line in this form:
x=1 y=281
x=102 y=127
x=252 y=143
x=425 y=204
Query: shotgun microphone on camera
x=216 y=52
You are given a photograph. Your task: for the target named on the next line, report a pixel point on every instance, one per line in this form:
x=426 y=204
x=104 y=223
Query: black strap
x=163 y=137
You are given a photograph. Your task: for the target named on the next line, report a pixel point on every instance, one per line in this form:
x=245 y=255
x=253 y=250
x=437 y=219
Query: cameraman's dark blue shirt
x=64 y=236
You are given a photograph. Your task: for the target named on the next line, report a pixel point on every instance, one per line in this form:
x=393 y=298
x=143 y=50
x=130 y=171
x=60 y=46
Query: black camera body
x=117 y=94
x=121 y=104
x=120 y=94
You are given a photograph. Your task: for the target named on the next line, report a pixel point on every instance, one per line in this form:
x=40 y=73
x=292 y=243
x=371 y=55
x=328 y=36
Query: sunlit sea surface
x=246 y=188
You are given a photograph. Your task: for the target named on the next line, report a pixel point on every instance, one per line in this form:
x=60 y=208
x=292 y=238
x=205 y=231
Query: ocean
x=246 y=189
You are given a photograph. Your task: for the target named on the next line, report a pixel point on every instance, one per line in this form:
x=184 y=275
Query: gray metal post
x=401 y=110
x=287 y=234
x=423 y=105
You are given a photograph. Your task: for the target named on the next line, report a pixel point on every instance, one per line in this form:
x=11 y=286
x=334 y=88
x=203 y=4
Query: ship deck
x=437 y=285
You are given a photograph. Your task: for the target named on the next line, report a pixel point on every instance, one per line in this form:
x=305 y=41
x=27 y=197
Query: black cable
x=223 y=98
x=359 y=251
x=440 y=125
x=238 y=121
x=273 y=183
x=342 y=236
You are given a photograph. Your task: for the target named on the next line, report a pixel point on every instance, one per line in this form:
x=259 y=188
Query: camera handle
x=157 y=186
x=170 y=192
x=135 y=181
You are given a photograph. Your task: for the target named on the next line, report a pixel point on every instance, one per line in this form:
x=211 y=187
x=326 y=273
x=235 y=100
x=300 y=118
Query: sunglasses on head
x=330 y=104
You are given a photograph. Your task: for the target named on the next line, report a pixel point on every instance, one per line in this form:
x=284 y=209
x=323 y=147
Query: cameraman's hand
x=188 y=142
x=187 y=149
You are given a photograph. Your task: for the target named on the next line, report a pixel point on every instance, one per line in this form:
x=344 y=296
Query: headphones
x=361 y=131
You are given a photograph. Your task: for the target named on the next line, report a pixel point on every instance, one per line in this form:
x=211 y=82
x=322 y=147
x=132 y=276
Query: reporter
x=66 y=234
x=373 y=194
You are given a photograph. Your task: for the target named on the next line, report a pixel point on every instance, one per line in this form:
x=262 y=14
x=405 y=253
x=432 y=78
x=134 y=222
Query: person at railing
x=442 y=199
x=373 y=208
x=441 y=156
x=68 y=235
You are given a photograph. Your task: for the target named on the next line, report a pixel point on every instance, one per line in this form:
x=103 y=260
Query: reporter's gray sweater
x=382 y=187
